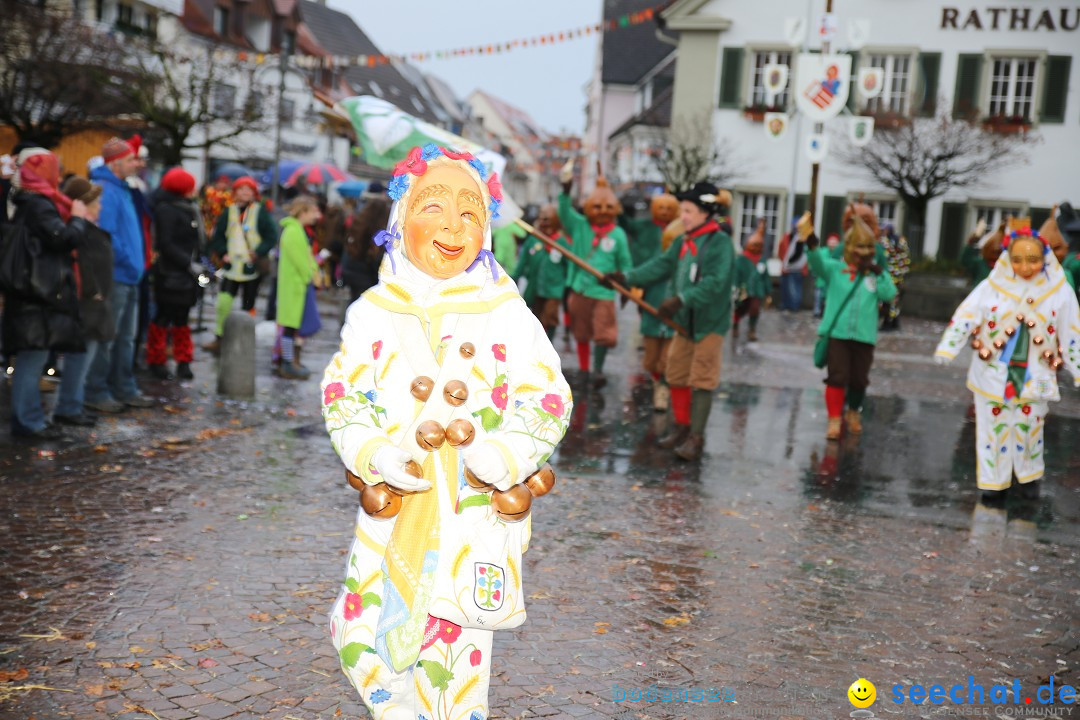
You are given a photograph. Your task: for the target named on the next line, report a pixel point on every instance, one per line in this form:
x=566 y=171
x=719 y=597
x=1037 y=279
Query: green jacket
x=858 y=319
x=296 y=268
x=972 y=260
x=264 y=225
x=1072 y=270
x=707 y=297
x=544 y=269
x=504 y=245
x=753 y=278
x=645 y=236
x=604 y=257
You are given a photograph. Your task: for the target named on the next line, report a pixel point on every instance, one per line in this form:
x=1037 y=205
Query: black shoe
x=1028 y=490
x=82 y=420
x=993 y=498
x=49 y=432
x=161 y=372
x=183 y=371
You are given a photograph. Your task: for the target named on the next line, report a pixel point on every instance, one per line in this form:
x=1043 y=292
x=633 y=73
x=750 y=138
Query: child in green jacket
x=752 y=282
x=855 y=286
x=296 y=270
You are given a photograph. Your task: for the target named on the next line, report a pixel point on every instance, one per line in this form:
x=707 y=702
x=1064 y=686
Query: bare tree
x=56 y=73
x=692 y=154
x=188 y=97
x=924 y=158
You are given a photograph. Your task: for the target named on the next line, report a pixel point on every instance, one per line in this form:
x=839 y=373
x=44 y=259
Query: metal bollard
x=236 y=368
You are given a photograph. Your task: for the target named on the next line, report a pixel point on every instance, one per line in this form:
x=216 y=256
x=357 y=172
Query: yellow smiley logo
x=862 y=693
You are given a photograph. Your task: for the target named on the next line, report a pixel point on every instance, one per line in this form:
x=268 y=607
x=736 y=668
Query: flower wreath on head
x=1024 y=233
x=415 y=165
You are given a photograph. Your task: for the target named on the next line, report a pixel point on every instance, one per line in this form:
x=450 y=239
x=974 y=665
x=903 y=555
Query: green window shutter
x=800 y=205
x=927 y=88
x=832 y=214
x=853 y=83
x=968 y=79
x=1039 y=216
x=951 y=240
x=1055 y=89
x=731 y=77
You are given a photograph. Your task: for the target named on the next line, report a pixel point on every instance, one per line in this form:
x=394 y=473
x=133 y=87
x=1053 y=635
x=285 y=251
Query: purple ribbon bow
x=385 y=240
x=485 y=256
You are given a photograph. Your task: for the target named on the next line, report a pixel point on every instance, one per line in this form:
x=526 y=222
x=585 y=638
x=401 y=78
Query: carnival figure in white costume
x=1024 y=324
x=444 y=403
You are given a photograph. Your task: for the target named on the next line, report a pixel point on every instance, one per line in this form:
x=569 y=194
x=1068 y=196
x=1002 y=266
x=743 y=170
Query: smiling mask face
x=444 y=222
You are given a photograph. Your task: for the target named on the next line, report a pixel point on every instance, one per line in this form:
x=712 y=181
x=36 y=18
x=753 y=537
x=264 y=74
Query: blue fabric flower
x=397 y=187
x=493 y=207
x=479 y=167
x=429 y=152
x=476 y=715
x=385 y=240
x=379 y=696
x=370 y=395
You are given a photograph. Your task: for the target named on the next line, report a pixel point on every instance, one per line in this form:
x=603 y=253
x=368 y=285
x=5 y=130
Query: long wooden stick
x=625 y=292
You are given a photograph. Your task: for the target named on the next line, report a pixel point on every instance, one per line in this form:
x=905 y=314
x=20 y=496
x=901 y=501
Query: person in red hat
x=175 y=273
x=243 y=239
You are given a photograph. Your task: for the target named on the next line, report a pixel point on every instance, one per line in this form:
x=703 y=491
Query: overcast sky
x=548 y=82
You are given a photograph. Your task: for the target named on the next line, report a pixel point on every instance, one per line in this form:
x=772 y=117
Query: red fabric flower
x=995 y=411
x=466 y=156
x=376 y=349
x=414 y=164
x=553 y=404
x=1026 y=409
x=474 y=658
x=332 y=392
x=993 y=309
x=499 y=350
x=495 y=187
x=449 y=632
x=354 y=606
x=991 y=325
x=1050 y=329
x=499 y=396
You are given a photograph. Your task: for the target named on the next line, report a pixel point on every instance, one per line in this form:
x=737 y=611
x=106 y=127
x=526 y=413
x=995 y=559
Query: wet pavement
x=178 y=563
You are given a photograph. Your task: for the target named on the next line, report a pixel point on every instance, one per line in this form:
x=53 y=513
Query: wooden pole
x=625 y=292
x=815 y=168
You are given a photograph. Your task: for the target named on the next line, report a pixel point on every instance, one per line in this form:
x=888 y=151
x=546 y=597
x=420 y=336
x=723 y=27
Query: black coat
x=33 y=324
x=178 y=236
x=95 y=258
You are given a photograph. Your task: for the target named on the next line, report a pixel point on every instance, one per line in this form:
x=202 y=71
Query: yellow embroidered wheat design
x=370 y=676
x=423 y=696
x=527 y=389
x=458 y=560
x=355 y=374
x=400 y=292
x=479 y=374
x=469 y=685
x=513 y=572
x=386 y=368
x=463 y=290
x=547 y=371
x=371 y=578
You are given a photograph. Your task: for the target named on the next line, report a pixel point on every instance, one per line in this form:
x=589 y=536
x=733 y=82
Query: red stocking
x=583 y=356
x=834 y=401
x=156 y=337
x=680 y=404
x=182 y=348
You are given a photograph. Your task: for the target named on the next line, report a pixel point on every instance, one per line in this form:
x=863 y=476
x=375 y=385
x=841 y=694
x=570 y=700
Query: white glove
x=980 y=227
x=567 y=173
x=487 y=464
x=389 y=462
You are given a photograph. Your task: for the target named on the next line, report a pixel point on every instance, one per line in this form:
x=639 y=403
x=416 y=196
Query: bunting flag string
x=554 y=38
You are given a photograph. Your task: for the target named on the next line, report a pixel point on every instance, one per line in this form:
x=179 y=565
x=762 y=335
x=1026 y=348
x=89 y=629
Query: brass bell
x=455 y=393
x=1038 y=340
x=468 y=350
x=1030 y=324
x=1048 y=354
x=541 y=481
x=476 y=483
x=354 y=481
x=430 y=436
x=976 y=344
x=1056 y=363
x=421 y=388
x=975 y=330
x=1019 y=317
x=460 y=432
x=380 y=501
x=999 y=343
x=1010 y=331
x=1030 y=301
x=512 y=505
x=985 y=354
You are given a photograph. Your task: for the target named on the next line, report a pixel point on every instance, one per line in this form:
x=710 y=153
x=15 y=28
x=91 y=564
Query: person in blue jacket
x=110 y=384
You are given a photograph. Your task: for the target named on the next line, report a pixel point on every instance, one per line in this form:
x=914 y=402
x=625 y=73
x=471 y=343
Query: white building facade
x=1012 y=62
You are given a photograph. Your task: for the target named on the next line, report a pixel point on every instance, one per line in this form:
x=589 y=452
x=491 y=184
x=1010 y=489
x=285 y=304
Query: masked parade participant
x=855 y=286
x=645 y=244
x=752 y=282
x=700 y=266
x=444 y=400
x=598 y=241
x=1023 y=322
x=243 y=238
x=544 y=271
x=981 y=251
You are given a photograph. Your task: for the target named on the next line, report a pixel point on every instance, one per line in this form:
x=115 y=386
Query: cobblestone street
x=179 y=562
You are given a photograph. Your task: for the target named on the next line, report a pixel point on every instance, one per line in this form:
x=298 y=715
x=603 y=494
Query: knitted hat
x=114 y=149
x=706 y=196
x=79 y=188
x=245 y=181
x=178 y=181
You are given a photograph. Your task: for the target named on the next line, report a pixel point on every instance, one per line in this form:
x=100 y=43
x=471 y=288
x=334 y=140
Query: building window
x=222 y=100
x=1012 y=87
x=995 y=213
x=151 y=24
x=221 y=20
x=754 y=207
x=895 y=93
x=758 y=96
x=288 y=112
x=124 y=16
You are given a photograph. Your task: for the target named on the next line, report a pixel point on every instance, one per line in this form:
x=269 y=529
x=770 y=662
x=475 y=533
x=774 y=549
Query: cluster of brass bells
x=381 y=500
x=513 y=505
x=455 y=392
x=430 y=435
x=1050 y=357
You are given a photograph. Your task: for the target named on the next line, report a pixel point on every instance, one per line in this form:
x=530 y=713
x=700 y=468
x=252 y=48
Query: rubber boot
x=853 y=421
x=675 y=437
x=700 y=406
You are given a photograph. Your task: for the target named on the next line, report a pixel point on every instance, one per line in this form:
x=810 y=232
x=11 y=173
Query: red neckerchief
x=852 y=271
x=752 y=257
x=688 y=242
x=660 y=225
x=600 y=232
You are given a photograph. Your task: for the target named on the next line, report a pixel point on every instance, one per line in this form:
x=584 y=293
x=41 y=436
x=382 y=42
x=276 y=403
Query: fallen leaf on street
x=260 y=617
x=208 y=663
x=683 y=619
x=14 y=675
